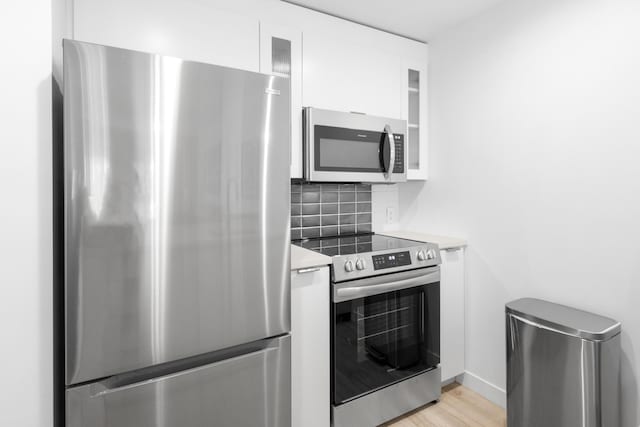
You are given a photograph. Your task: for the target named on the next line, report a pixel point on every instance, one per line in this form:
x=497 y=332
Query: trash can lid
x=563 y=319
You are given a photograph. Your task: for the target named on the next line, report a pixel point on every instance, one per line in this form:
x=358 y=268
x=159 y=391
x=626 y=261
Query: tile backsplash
x=321 y=210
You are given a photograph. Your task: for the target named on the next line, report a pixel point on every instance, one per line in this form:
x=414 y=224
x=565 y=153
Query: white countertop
x=443 y=242
x=304 y=258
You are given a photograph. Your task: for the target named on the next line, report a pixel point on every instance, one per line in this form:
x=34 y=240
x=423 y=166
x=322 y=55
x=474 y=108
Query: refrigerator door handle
x=165 y=371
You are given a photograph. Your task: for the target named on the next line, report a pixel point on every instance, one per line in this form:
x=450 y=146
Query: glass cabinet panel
x=414 y=111
x=414 y=118
x=281 y=56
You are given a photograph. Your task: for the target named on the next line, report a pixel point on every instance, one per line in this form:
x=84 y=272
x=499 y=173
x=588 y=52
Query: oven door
x=384 y=329
x=348 y=147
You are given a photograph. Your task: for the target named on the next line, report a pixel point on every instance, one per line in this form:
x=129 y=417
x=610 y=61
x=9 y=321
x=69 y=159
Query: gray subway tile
x=329 y=231
x=310 y=209
x=311 y=232
x=330 y=197
x=363 y=197
x=310 y=187
x=329 y=208
x=347 y=219
x=346 y=229
x=363 y=228
x=347 y=207
x=311 y=197
x=330 y=187
x=363 y=218
x=364 y=207
x=347 y=197
x=310 y=221
x=329 y=219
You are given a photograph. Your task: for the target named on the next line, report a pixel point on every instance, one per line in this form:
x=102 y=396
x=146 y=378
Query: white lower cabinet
x=310 y=347
x=452 y=296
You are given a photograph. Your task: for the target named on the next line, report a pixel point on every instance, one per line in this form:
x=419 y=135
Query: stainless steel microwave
x=352 y=147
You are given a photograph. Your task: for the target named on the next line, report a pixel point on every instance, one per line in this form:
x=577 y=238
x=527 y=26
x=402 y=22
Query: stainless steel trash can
x=563 y=366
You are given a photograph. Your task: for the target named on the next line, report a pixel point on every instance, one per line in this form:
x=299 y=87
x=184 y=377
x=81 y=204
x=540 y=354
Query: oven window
x=347 y=150
x=382 y=339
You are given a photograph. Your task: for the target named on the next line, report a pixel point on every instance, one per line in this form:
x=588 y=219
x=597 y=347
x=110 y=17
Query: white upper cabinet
x=198 y=32
x=281 y=54
x=414 y=111
x=341 y=74
x=335 y=64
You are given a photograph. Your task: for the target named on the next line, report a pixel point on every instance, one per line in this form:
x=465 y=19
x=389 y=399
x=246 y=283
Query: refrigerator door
x=249 y=390
x=176 y=209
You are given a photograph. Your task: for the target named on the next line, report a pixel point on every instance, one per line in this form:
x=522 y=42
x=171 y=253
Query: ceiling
x=415 y=19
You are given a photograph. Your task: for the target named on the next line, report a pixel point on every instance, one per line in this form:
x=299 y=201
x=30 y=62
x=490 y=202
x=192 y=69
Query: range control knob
x=421 y=255
x=348 y=266
x=360 y=264
x=431 y=254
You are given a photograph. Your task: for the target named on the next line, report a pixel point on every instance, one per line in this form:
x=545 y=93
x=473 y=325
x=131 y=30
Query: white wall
x=25 y=217
x=535 y=158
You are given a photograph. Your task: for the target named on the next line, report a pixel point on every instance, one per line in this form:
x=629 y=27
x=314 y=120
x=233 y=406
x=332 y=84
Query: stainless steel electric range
x=385 y=326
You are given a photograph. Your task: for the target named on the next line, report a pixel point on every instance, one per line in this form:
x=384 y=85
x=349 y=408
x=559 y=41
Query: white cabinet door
x=345 y=76
x=310 y=348
x=414 y=111
x=281 y=54
x=452 y=297
x=197 y=32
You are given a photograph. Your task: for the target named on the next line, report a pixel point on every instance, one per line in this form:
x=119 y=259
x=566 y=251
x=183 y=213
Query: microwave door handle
x=392 y=151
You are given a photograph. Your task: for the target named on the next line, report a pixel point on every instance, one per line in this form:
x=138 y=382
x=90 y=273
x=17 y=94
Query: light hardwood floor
x=458 y=407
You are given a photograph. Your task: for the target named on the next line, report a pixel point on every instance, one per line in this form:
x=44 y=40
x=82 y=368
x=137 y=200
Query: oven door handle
x=347 y=293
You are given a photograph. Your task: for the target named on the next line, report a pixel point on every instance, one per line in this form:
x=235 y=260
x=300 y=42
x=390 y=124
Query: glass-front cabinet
x=281 y=54
x=414 y=108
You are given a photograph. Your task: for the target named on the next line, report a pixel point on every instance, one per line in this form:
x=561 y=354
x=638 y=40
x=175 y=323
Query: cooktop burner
x=364 y=255
x=346 y=245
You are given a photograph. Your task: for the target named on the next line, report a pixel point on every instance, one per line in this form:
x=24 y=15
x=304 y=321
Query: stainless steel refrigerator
x=176 y=235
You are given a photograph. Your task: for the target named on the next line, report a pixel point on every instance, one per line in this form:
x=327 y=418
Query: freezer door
x=249 y=390
x=176 y=209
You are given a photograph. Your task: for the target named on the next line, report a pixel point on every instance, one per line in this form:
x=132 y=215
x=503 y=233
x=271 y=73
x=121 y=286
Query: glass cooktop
x=346 y=245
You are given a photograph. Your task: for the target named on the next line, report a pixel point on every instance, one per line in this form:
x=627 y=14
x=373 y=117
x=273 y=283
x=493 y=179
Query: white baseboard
x=484 y=388
x=447 y=382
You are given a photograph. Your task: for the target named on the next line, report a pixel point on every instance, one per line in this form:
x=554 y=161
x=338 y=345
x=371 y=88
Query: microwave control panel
x=391 y=260
x=399 y=160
